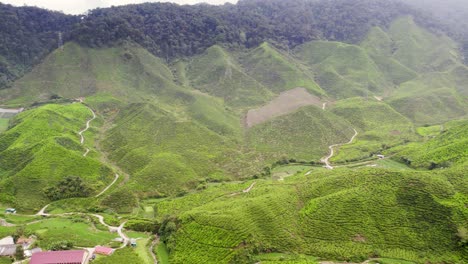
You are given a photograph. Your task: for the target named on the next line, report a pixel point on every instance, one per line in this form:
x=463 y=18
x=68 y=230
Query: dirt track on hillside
x=287 y=102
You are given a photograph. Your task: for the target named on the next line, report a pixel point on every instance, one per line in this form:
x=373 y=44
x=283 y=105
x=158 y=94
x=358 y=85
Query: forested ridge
x=170 y=30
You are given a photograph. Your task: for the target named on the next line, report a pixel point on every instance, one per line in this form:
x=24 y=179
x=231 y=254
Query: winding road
x=326 y=160
x=108 y=186
x=82 y=139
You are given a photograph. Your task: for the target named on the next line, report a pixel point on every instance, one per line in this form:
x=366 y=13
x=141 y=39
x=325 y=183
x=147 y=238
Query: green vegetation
x=143 y=252
x=214 y=190
x=5 y=260
x=40 y=150
x=273 y=258
x=75 y=229
x=447 y=149
x=285 y=136
x=344 y=215
x=279 y=72
x=3 y=124
x=217 y=73
x=380 y=127
x=123 y=256
x=162 y=253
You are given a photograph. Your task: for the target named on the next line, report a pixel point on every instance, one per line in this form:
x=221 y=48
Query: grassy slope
x=3 y=124
x=166 y=155
x=277 y=71
x=420 y=50
x=127 y=72
x=347 y=215
x=380 y=47
x=41 y=148
x=438 y=93
x=218 y=74
x=303 y=135
x=431 y=98
x=343 y=70
x=448 y=148
x=379 y=127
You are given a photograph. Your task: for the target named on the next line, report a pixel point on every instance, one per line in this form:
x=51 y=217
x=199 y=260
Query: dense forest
x=170 y=30
x=27 y=34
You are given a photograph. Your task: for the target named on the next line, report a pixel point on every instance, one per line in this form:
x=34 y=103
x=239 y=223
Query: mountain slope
x=127 y=72
x=302 y=135
x=41 y=148
x=343 y=215
x=278 y=71
x=218 y=74
x=343 y=70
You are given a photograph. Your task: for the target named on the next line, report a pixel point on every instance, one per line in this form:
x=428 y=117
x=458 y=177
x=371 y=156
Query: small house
x=60 y=257
x=107 y=251
x=10 y=211
x=7 y=241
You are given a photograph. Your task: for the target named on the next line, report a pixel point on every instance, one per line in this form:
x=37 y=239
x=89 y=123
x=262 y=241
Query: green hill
x=41 y=148
x=343 y=215
x=450 y=148
x=432 y=98
x=420 y=50
x=302 y=135
x=277 y=71
x=378 y=124
x=165 y=154
x=218 y=74
x=127 y=72
x=343 y=70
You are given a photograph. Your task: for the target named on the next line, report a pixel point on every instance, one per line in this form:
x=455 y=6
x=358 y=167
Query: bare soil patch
x=287 y=102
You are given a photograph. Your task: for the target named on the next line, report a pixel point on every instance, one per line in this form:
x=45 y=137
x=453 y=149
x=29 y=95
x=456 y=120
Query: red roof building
x=103 y=250
x=60 y=257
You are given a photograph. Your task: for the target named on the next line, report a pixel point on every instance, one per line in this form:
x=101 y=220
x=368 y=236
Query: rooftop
x=58 y=257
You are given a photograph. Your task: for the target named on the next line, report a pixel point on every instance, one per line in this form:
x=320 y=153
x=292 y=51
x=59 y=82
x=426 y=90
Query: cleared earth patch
x=287 y=102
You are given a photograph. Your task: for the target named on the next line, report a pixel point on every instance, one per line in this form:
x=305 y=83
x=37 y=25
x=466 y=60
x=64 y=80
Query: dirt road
x=326 y=160
x=82 y=139
x=108 y=186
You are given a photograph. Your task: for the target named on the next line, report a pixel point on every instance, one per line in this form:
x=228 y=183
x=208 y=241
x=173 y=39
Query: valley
x=326 y=151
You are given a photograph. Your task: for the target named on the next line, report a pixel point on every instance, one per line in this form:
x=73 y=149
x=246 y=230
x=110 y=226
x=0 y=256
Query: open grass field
x=162 y=253
x=142 y=250
x=124 y=256
x=5 y=260
x=76 y=229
